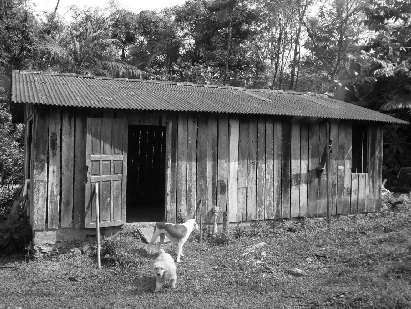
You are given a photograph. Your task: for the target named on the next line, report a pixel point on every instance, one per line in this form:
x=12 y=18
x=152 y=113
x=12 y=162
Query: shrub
x=15 y=233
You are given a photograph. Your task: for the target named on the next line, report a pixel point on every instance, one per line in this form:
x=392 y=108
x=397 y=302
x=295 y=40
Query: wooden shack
x=156 y=148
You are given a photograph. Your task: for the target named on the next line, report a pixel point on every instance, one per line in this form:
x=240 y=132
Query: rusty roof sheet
x=85 y=91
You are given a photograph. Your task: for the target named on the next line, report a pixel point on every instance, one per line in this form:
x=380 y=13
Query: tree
x=383 y=70
x=333 y=38
x=18 y=35
x=217 y=36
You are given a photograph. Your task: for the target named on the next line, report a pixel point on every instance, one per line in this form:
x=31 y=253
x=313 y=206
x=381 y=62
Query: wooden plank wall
x=266 y=168
x=257 y=168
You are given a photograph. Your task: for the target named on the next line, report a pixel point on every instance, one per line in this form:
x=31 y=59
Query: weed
x=119 y=251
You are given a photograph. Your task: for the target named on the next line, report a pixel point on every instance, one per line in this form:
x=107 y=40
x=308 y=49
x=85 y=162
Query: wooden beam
x=252 y=170
x=171 y=160
x=314 y=159
x=211 y=166
x=261 y=168
x=222 y=168
x=54 y=168
x=191 y=164
x=354 y=192
x=269 y=210
x=278 y=156
x=333 y=166
x=234 y=131
x=67 y=168
x=295 y=168
x=341 y=168
x=40 y=167
x=304 y=169
x=243 y=147
x=286 y=169
x=322 y=195
x=182 y=165
x=202 y=163
x=347 y=175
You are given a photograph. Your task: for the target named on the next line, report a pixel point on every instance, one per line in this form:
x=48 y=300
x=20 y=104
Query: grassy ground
x=361 y=261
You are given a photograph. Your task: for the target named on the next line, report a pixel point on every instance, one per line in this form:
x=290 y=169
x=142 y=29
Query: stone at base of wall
x=61 y=240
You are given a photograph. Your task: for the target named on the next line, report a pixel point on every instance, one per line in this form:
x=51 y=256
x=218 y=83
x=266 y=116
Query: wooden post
x=201 y=228
x=328 y=151
x=225 y=221
x=98 y=225
x=215 y=215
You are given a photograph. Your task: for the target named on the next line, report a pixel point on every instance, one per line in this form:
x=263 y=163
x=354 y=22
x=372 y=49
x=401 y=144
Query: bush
x=15 y=233
x=7 y=195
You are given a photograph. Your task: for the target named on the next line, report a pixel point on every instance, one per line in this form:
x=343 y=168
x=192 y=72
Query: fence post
x=225 y=221
x=98 y=226
x=201 y=228
x=215 y=216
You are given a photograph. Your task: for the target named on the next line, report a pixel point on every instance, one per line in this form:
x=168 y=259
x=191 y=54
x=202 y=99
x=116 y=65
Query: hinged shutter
x=106 y=159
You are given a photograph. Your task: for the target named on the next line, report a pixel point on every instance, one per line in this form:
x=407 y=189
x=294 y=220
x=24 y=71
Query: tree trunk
x=228 y=51
x=277 y=54
x=296 y=56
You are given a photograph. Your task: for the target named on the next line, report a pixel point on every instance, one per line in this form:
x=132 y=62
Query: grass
x=361 y=261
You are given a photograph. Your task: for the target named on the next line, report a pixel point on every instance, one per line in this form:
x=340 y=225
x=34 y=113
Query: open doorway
x=146 y=173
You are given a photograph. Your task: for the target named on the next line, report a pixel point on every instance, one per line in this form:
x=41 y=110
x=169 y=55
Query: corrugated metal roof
x=83 y=91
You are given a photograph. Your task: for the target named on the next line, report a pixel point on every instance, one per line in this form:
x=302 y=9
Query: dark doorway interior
x=146 y=173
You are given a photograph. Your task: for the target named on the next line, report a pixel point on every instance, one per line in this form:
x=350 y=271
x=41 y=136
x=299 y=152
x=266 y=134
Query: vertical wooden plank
x=53 y=189
x=191 y=164
x=182 y=165
x=106 y=136
x=242 y=170
x=269 y=211
x=314 y=159
x=261 y=165
x=105 y=200
x=304 y=169
x=117 y=200
x=40 y=167
x=171 y=157
x=354 y=192
x=295 y=169
x=95 y=138
x=371 y=168
x=368 y=206
x=286 y=169
x=333 y=166
x=278 y=156
x=124 y=151
x=341 y=167
x=28 y=162
x=67 y=168
x=202 y=163
x=93 y=147
x=322 y=195
x=252 y=170
x=211 y=166
x=234 y=132
x=379 y=159
x=80 y=169
x=222 y=168
x=361 y=192
x=347 y=175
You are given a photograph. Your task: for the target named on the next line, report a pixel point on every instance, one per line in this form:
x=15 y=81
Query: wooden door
x=106 y=159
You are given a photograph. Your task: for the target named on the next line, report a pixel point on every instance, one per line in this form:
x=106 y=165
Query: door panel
x=106 y=159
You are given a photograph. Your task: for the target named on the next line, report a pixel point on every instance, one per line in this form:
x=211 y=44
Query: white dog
x=165 y=270
x=177 y=233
